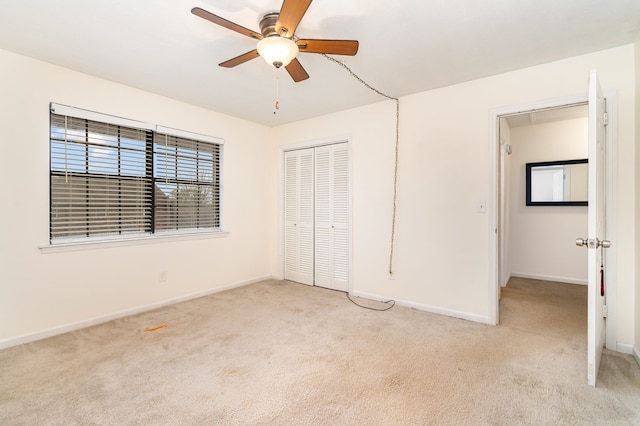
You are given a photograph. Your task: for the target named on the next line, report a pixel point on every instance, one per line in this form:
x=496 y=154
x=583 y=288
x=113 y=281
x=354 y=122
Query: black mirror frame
x=551 y=203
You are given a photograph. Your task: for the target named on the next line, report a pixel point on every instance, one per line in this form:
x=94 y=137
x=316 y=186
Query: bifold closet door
x=332 y=217
x=299 y=216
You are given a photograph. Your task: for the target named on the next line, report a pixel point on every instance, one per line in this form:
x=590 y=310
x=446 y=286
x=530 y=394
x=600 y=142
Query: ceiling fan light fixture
x=277 y=51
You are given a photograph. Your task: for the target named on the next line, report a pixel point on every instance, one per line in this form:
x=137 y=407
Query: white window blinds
x=187 y=182
x=99 y=179
x=110 y=179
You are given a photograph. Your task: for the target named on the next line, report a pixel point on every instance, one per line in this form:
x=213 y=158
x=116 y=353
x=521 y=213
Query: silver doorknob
x=593 y=243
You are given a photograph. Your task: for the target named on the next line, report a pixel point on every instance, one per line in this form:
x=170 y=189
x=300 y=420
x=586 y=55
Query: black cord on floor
x=393 y=303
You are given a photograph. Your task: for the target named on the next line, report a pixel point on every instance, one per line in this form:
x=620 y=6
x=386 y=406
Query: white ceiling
x=406 y=46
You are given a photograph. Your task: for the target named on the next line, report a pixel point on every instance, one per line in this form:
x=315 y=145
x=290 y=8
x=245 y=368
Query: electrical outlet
x=163 y=276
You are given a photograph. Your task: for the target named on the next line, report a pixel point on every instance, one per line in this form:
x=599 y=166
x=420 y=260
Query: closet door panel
x=340 y=216
x=298 y=212
x=323 y=193
x=332 y=216
x=290 y=216
x=305 y=217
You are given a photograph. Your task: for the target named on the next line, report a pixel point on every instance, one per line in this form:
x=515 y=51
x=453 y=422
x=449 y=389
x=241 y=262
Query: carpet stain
x=227 y=338
x=393 y=382
x=152 y=329
x=230 y=372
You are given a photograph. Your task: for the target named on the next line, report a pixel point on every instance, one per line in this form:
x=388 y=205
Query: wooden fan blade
x=333 y=47
x=224 y=23
x=240 y=59
x=296 y=71
x=291 y=14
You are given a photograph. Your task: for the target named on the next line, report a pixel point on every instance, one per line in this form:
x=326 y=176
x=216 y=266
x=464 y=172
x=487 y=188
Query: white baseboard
x=623 y=348
x=629 y=350
x=549 y=278
x=432 y=309
x=506 y=280
x=31 y=337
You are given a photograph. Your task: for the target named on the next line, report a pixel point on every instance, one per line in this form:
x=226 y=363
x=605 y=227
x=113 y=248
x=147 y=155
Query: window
x=187 y=183
x=114 y=177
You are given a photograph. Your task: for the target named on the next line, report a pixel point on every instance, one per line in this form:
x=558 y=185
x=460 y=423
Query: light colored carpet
x=282 y=353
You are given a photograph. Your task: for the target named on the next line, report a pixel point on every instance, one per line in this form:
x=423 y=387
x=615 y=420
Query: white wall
x=442 y=246
x=542 y=238
x=42 y=292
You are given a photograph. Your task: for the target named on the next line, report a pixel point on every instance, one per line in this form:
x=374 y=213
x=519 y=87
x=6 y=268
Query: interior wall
x=542 y=238
x=42 y=292
x=441 y=253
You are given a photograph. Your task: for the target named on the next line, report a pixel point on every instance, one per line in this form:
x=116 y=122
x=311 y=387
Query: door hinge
x=605 y=311
x=606 y=118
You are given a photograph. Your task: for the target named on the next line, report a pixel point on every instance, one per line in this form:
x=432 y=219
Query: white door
x=332 y=217
x=595 y=241
x=298 y=216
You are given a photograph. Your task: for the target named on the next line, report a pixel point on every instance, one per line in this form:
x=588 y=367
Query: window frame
x=56 y=244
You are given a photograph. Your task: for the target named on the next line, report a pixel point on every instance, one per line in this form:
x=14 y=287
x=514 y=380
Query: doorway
x=540 y=219
x=499 y=273
x=542 y=274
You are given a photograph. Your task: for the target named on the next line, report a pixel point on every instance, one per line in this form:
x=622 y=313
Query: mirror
x=558 y=183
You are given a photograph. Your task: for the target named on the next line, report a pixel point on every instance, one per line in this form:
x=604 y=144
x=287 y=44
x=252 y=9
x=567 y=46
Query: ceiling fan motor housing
x=268 y=24
x=274 y=46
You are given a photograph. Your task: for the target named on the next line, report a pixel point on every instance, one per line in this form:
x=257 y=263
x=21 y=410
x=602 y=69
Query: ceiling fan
x=278 y=44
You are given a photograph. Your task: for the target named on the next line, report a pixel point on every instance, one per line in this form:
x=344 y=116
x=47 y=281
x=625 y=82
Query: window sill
x=98 y=243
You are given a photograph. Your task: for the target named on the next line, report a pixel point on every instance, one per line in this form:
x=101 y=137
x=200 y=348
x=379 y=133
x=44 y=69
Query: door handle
x=593 y=242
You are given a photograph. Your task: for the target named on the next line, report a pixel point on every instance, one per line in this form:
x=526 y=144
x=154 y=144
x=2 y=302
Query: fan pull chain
x=275 y=94
x=395 y=172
